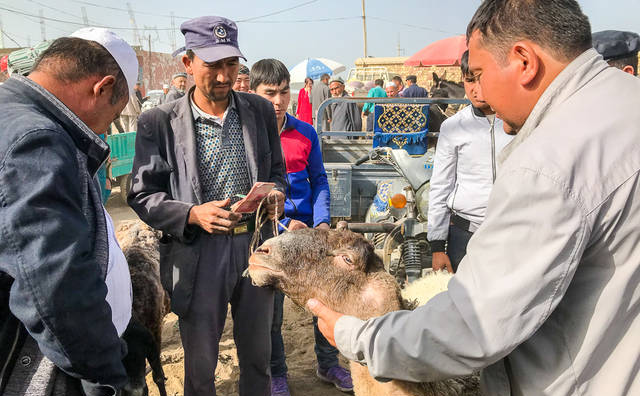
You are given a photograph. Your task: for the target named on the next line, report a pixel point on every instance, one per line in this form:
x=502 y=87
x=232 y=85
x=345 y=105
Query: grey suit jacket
x=165 y=180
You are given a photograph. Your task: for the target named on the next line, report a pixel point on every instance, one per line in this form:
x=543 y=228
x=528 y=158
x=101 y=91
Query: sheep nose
x=264 y=250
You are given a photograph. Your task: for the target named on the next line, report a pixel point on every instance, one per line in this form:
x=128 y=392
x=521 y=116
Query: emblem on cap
x=220 y=31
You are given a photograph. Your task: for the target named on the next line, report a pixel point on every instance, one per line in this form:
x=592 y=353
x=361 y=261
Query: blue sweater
x=307 y=186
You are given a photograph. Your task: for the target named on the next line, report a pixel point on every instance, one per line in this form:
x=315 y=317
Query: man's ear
x=629 y=69
x=187 y=64
x=104 y=86
x=527 y=62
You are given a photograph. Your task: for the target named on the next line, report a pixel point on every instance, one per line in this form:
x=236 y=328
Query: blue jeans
x=457 y=245
x=326 y=354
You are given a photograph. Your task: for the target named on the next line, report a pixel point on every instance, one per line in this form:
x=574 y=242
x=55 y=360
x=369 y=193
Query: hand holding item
x=212 y=218
x=275 y=204
x=440 y=261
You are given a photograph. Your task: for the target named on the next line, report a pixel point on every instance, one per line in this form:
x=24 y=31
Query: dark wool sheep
x=341 y=269
x=143 y=335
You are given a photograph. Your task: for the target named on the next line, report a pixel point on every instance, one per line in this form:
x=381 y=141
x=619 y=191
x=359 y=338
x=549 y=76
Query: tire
x=125 y=186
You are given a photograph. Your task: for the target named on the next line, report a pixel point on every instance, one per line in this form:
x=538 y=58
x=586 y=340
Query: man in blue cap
x=193 y=157
x=618 y=48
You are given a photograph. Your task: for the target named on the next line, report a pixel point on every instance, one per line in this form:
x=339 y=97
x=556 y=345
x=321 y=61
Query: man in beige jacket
x=547 y=299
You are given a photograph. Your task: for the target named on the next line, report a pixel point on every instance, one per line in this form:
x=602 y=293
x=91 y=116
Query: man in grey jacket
x=344 y=116
x=547 y=299
x=320 y=93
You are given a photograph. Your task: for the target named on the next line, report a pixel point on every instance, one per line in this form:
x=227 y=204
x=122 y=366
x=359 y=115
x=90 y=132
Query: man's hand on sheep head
x=327 y=319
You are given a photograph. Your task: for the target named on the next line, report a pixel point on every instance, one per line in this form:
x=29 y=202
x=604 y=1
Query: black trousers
x=219 y=282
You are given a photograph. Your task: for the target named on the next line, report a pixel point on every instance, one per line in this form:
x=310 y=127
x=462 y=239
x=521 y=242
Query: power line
x=277 y=12
x=413 y=26
x=311 y=20
x=10 y=38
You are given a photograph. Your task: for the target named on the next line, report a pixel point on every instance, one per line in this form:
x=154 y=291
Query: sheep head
x=339 y=268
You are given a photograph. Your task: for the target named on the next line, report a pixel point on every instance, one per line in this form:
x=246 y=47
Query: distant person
x=243 y=81
x=464 y=170
x=138 y=91
x=165 y=89
x=306 y=205
x=376 y=92
x=413 y=90
x=399 y=84
x=345 y=116
x=619 y=49
x=178 y=87
x=303 y=111
x=319 y=94
x=391 y=89
x=130 y=113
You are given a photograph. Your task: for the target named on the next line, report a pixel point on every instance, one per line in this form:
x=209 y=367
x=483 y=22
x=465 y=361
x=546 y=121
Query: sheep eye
x=347 y=259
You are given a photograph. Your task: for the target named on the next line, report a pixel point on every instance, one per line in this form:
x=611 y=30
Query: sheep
x=143 y=335
x=341 y=269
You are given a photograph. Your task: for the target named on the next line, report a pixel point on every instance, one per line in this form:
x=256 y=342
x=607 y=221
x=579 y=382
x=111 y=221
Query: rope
x=261 y=219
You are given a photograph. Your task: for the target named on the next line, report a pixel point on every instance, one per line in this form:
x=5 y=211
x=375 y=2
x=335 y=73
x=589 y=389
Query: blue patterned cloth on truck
x=401 y=126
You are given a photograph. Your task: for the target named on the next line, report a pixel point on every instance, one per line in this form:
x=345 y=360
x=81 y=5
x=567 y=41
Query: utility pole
x=364 y=29
x=149 y=62
x=85 y=19
x=1 y=32
x=173 y=32
x=42 y=28
x=132 y=19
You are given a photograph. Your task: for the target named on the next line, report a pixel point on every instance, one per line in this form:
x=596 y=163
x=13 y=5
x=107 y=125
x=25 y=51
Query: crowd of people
x=533 y=205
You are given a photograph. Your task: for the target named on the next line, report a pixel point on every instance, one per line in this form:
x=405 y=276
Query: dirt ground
x=297 y=331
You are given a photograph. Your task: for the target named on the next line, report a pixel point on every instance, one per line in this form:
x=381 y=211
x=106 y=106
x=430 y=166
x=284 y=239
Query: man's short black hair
x=397 y=78
x=70 y=58
x=412 y=78
x=268 y=72
x=464 y=63
x=324 y=76
x=379 y=82
x=559 y=26
x=621 y=63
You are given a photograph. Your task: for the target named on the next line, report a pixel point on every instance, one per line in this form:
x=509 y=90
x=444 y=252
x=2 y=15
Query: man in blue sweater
x=306 y=205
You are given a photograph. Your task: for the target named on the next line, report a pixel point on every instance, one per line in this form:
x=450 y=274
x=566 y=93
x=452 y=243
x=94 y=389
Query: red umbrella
x=443 y=52
x=3 y=63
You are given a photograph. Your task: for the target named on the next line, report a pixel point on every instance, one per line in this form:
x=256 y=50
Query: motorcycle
x=396 y=221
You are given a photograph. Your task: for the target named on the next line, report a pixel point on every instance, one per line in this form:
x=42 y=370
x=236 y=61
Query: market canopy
x=444 y=52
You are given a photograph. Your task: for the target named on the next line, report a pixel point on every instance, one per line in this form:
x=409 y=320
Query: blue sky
x=299 y=29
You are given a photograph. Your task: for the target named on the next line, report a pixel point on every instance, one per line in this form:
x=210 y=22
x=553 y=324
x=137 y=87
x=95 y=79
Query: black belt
x=460 y=222
x=245 y=227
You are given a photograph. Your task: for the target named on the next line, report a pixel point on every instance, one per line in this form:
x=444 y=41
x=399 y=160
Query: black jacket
x=53 y=242
x=165 y=180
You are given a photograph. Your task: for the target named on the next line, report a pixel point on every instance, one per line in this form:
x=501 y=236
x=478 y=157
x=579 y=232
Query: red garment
x=303 y=111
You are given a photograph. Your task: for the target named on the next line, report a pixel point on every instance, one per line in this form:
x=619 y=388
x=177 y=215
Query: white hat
x=390 y=84
x=122 y=52
x=165 y=86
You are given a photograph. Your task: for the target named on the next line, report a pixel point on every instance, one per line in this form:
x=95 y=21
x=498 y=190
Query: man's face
x=336 y=89
x=278 y=95
x=498 y=84
x=214 y=80
x=392 y=91
x=474 y=92
x=180 y=83
x=243 y=82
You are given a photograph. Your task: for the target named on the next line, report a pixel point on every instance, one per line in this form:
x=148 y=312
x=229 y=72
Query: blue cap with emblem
x=616 y=44
x=211 y=38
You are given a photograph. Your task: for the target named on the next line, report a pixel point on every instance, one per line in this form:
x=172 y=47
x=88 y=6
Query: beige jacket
x=547 y=299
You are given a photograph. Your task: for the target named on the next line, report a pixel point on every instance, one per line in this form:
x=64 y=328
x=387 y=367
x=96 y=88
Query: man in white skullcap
x=58 y=254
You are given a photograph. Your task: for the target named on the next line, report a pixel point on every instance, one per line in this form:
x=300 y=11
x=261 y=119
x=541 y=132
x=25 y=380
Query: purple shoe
x=337 y=376
x=279 y=386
